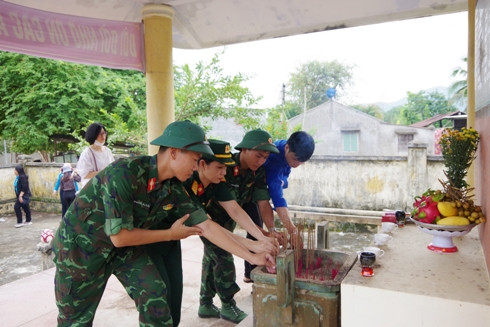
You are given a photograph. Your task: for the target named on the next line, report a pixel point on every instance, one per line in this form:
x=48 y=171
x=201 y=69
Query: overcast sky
x=389 y=59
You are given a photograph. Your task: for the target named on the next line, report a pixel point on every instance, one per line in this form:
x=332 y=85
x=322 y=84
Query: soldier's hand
x=268 y=245
x=265 y=259
x=180 y=231
x=280 y=237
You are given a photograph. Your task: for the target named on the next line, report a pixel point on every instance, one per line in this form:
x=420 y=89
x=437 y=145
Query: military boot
x=208 y=310
x=229 y=311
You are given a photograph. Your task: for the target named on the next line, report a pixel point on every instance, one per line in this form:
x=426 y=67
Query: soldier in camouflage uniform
x=115 y=213
x=248 y=181
x=208 y=184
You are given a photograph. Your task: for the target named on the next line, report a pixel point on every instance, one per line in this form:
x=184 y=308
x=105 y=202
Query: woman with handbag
x=96 y=156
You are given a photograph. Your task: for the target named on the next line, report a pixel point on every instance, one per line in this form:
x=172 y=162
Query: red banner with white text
x=97 y=42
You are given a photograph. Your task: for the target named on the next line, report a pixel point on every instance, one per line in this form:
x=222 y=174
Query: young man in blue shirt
x=293 y=152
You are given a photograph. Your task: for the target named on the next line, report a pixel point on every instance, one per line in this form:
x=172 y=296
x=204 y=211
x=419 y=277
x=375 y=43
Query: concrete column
x=470 y=122
x=47 y=254
x=417 y=170
x=322 y=235
x=157 y=20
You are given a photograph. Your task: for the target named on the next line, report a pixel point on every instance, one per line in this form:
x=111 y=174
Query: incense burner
x=305 y=291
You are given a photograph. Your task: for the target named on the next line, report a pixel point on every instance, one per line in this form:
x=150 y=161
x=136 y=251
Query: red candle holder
x=367 y=271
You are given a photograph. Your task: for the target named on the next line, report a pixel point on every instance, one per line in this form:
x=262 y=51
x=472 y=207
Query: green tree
x=311 y=81
x=277 y=123
x=42 y=99
x=459 y=89
x=206 y=92
x=370 y=109
x=393 y=115
x=124 y=113
x=424 y=105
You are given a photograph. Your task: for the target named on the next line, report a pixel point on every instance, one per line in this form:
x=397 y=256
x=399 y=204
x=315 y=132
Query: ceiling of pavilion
x=208 y=23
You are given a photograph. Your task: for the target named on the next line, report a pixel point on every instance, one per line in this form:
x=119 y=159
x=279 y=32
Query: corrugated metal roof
x=435 y=119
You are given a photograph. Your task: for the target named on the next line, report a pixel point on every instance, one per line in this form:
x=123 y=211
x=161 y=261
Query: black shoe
x=247 y=280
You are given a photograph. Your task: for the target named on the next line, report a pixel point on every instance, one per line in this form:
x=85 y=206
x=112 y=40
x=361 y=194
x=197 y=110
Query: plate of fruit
x=449 y=228
x=438 y=213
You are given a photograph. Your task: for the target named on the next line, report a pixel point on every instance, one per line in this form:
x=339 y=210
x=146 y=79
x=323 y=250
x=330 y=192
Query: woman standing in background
x=23 y=195
x=68 y=184
x=58 y=184
x=96 y=156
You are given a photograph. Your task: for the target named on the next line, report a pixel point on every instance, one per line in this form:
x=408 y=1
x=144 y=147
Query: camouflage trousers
x=218 y=274
x=78 y=295
x=167 y=257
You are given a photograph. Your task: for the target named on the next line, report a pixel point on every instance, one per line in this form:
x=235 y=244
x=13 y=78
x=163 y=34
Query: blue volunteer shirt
x=277 y=173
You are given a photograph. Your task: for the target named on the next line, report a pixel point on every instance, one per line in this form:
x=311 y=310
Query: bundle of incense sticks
x=298 y=248
x=310 y=252
x=315 y=267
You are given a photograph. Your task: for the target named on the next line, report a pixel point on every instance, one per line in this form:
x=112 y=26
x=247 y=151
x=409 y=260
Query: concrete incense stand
x=310 y=297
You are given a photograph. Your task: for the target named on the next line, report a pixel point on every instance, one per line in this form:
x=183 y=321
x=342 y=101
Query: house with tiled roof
x=340 y=130
x=457 y=120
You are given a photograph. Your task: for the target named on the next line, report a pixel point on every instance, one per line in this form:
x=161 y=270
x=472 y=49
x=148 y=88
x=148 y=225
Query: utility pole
x=5 y=151
x=283 y=92
x=304 y=110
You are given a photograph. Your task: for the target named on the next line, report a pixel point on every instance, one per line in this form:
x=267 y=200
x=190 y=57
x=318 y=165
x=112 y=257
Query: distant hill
x=385 y=106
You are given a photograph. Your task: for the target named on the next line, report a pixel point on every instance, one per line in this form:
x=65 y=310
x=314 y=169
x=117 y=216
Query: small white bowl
x=382 y=238
x=388 y=227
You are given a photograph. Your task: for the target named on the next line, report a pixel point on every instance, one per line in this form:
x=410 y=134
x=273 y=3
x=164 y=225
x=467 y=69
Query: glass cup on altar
x=400 y=218
x=367 y=260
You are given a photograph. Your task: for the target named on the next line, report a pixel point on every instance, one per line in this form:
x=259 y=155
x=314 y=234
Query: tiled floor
x=29 y=301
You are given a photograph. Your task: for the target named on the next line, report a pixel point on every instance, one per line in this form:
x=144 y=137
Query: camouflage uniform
x=125 y=195
x=218 y=269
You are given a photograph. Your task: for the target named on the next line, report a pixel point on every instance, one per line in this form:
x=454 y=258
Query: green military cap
x=257 y=140
x=184 y=135
x=222 y=152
